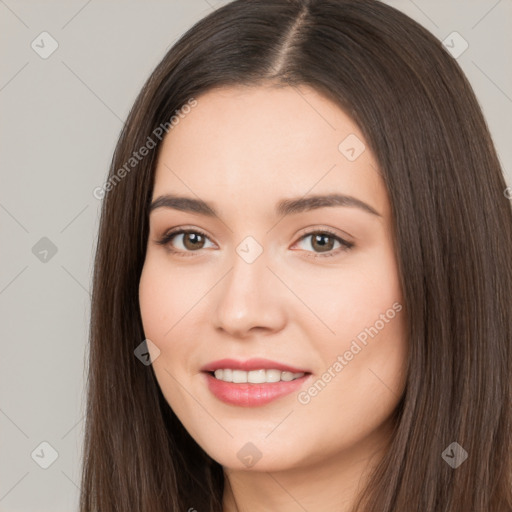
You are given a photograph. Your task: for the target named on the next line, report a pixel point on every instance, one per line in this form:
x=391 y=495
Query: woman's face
x=261 y=279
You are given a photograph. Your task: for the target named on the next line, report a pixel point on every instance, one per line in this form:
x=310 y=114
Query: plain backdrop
x=61 y=117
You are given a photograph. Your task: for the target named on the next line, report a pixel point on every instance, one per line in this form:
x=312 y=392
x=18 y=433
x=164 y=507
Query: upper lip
x=250 y=364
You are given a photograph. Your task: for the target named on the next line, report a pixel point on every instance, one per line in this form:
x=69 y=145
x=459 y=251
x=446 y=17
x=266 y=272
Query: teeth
x=255 y=376
x=239 y=376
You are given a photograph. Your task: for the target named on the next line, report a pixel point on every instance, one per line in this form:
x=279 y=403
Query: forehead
x=251 y=146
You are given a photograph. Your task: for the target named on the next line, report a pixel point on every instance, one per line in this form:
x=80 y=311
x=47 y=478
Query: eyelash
x=167 y=237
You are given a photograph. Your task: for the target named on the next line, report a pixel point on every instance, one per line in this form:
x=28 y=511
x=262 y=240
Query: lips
x=251 y=364
x=252 y=394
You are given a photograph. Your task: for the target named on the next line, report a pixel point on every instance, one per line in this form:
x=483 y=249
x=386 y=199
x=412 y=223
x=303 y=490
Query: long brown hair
x=453 y=225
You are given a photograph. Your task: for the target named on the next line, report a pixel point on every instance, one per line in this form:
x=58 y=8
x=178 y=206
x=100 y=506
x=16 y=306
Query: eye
x=191 y=240
x=323 y=241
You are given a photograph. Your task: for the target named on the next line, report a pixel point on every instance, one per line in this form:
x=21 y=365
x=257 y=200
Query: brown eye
x=183 y=242
x=193 y=241
x=322 y=242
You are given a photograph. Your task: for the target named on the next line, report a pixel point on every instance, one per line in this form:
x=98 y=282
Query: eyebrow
x=283 y=207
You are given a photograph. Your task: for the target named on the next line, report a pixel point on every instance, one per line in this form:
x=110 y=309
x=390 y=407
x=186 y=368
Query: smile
x=253 y=382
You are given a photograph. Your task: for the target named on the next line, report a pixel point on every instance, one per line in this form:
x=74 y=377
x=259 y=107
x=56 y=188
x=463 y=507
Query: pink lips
x=248 y=394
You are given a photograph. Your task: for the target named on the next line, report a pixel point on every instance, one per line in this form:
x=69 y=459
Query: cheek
x=163 y=300
x=171 y=307
x=364 y=354
x=155 y=303
x=161 y=308
x=353 y=297
x=166 y=294
x=361 y=383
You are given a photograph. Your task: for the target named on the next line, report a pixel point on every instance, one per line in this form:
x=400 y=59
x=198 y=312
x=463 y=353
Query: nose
x=249 y=299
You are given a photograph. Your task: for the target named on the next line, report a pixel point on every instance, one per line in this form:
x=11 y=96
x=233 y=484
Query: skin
x=243 y=149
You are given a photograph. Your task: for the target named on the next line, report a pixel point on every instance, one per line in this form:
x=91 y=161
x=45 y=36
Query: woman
x=302 y=284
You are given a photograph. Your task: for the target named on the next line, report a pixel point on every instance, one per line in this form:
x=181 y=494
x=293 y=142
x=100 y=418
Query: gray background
x=61 y=117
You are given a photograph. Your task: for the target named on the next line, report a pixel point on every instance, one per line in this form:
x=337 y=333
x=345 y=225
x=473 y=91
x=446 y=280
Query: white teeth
x=255 y=376
x=239 y=376
x=273 y=375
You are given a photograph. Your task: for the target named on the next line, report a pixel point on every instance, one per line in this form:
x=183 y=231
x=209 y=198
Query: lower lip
x=252 y=395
